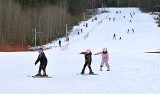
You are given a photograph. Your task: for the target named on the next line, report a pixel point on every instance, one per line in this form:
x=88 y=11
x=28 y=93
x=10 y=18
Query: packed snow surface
x=132 y=70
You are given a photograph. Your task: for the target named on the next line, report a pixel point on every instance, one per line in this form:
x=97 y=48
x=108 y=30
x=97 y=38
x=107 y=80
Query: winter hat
x=88 y=51
x=104 y=49
x=40 y=50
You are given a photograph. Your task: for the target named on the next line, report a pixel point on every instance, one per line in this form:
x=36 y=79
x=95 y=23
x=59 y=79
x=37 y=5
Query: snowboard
x=39 y=76
x=86 y=74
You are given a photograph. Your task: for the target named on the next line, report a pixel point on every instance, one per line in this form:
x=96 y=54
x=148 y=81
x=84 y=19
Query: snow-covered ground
x=132 y=70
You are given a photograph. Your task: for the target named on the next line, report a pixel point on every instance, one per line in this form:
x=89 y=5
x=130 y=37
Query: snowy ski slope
x=132 y=70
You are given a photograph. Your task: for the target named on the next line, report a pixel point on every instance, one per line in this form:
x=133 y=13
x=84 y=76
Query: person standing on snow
x=114 y=19
x=88 y=60
x=128 y=31
x=43 y=62
x=132 y=30
x=105 y=58
x=59 y=43
x=124 y=16
x=114 y=36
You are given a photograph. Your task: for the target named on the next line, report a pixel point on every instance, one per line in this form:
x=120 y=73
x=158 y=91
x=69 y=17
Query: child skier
x=88 y=60
x=105 y=58
x=43 y=62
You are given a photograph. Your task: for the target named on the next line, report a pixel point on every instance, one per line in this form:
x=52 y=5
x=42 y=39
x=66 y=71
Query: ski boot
x=82 y=73
x=108 y=69
x=91 y=72
x=39 y=74
x=44 y=74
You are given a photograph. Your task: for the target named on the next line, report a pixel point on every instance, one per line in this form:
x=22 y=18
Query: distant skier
x=131 y=15
x=114 y=19
x=86 y=24
x=81 y=30
x=124 y=16
x=120 y=38
x=114 y=36
x=128 y=31
x=88 y=60
x=105 y=58
x=92 y=20
x=132 y=30
x=68 y=39
x=130 y=21
x=59 y=43
x=43 y=62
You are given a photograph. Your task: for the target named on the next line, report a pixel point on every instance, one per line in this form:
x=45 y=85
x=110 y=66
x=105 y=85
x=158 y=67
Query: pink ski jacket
x=104 y=55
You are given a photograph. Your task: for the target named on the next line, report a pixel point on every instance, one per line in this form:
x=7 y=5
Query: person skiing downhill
x=43 y=62
x=88 y=60
x=105 y=58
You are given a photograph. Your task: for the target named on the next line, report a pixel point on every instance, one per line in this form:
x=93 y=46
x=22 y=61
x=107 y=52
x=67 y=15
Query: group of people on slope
x=88 y=59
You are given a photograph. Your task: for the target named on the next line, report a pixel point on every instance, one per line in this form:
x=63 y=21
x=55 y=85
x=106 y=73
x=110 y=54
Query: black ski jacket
x=42 y=58
x=88 y=57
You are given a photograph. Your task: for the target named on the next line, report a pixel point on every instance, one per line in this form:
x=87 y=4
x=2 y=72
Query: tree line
x=20 y=18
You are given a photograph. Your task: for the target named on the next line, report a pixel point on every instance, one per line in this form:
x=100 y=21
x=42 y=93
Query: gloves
x=35 y=63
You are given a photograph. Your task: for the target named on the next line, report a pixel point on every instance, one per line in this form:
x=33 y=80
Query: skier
x=132 y=30
x=86 y=24
x=131 y=15
x=124 y=16
x=68 y=39
x=43 y=62
x=81 y=30
x=114 y=36
x=114 y=19
x=128 y=31
x=130 y=21
x=88 y=60
x=120 y=38
x=59 y=43
x=105 y=58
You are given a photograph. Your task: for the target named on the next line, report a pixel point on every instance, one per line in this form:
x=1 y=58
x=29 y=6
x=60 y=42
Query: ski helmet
x=40 y=50
x=104 y=49
x=88 y=51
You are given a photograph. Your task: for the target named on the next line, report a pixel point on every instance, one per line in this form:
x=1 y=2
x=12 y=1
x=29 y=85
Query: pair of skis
x=86 y=74
x=39 y=76
x=51 y=77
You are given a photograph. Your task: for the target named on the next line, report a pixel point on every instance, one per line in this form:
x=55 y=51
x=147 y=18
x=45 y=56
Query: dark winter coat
x=42 y=58
x=88 y=57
